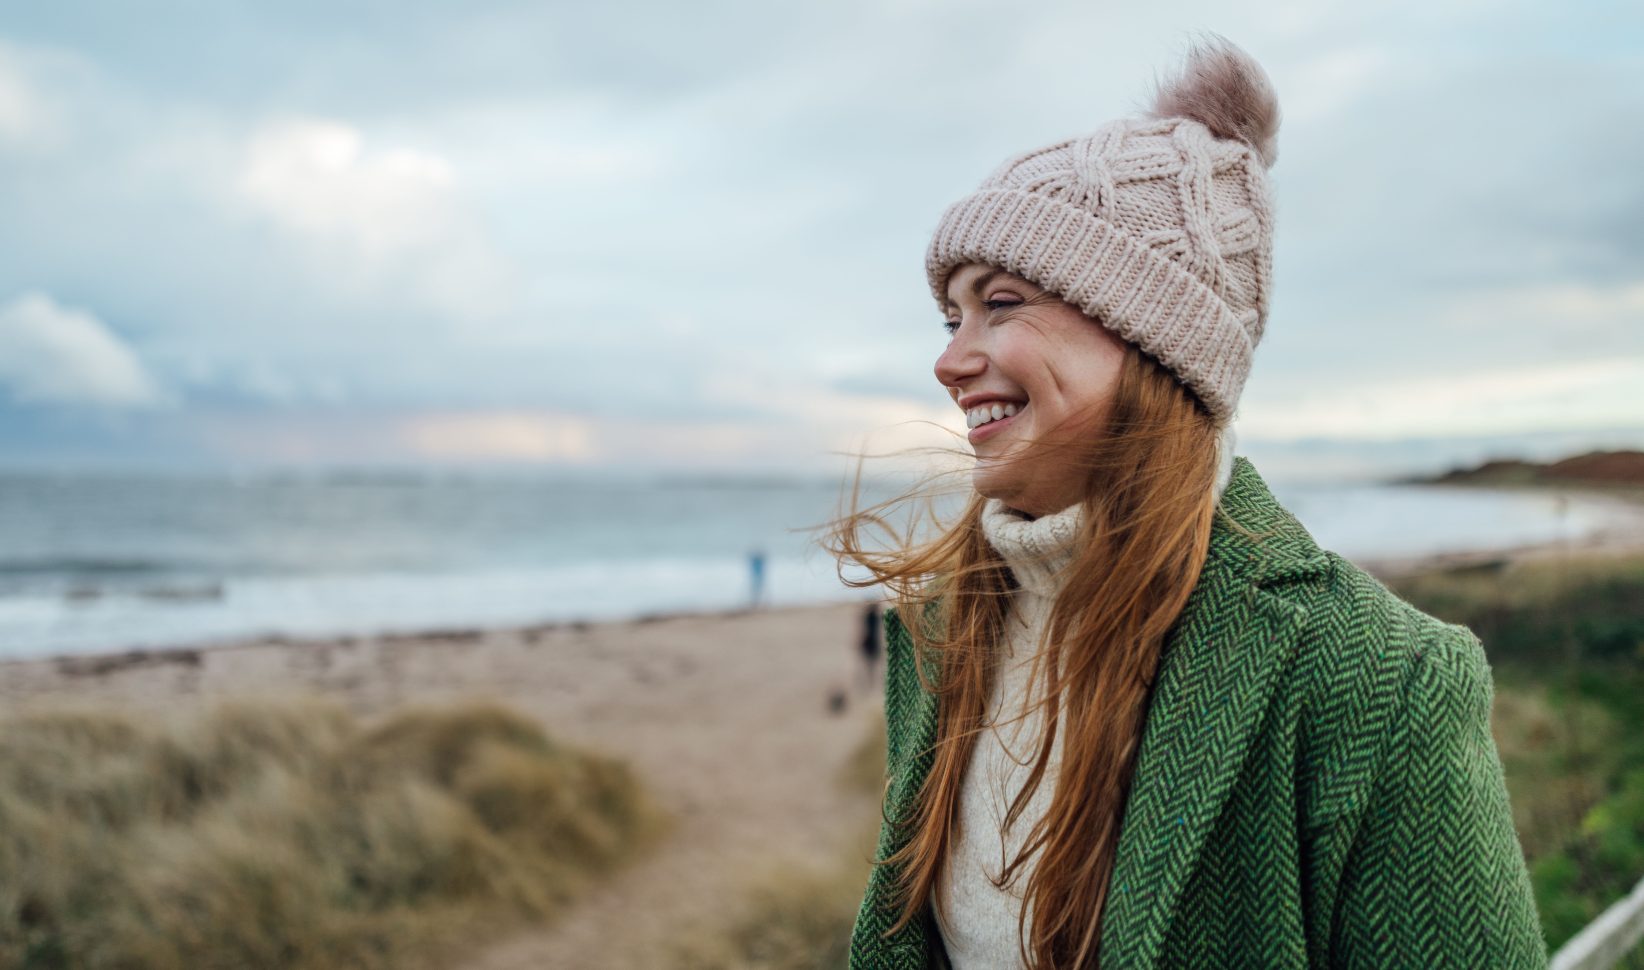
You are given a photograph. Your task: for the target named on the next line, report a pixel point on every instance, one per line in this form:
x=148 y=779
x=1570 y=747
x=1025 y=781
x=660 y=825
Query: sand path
x=727 y=721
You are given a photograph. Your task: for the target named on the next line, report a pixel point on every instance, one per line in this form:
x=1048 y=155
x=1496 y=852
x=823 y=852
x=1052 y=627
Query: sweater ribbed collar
x=1038 y=550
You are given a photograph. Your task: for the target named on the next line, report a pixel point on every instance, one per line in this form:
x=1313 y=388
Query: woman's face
x=1047 y=370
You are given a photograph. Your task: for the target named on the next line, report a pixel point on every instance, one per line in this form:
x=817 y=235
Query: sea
x=103 y=561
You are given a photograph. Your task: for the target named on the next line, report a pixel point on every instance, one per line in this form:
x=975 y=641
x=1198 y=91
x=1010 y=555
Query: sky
x=646 y=234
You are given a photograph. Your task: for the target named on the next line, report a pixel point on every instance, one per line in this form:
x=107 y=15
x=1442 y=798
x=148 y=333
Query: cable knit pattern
x=978 y=921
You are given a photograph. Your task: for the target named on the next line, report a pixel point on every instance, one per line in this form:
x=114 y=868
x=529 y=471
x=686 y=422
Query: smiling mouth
x=991 y=427
x=988 y=413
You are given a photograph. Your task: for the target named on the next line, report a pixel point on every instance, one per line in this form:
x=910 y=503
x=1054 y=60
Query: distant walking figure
x=756 y=578
x=1136 y=716
x=870 y=643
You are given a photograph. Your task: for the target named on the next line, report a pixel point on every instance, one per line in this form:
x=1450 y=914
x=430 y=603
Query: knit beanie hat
x=1158 y=227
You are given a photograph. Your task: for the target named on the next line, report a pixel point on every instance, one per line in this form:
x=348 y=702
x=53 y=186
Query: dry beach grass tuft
x=287 y=833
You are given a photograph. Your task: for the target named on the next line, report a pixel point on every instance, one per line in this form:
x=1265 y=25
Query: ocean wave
x=82 y=566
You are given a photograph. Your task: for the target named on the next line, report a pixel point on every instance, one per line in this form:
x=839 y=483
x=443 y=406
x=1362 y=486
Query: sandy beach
x=726 y=717
x=730 y=719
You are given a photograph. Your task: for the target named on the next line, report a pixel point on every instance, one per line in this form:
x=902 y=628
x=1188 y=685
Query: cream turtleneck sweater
x=978 y=922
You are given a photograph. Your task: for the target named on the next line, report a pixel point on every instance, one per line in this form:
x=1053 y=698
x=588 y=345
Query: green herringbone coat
x=1317 y=785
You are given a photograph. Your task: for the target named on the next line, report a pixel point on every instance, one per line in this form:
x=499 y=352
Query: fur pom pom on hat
x=1221 y=88
x=1159 y=227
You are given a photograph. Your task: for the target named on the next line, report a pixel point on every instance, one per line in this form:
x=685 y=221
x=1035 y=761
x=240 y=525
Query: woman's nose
x=962 y=359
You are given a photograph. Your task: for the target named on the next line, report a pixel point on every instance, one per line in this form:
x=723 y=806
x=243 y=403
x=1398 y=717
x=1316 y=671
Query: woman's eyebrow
x=976 y=287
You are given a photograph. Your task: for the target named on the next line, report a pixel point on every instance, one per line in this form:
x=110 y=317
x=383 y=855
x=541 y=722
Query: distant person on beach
x=1136 y=714
x=756 y=578
x=870 y=642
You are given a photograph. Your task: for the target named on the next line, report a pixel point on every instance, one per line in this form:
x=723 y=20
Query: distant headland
x=1595 y=468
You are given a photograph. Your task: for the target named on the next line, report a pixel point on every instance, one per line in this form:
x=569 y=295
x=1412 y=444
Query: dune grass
x=1543 y=615
x=1559 y=752
x=864 y=771
x=1565 y=640
x=287 y=833
x=791 y=917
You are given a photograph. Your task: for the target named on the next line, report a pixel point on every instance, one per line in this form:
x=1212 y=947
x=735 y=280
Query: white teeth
x=978 y=416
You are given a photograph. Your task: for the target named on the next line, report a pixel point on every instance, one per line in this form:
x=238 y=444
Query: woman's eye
x=951 y=326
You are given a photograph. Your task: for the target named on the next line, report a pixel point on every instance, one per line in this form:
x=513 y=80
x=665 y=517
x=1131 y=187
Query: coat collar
x=1216 y=676
x=1217 y=672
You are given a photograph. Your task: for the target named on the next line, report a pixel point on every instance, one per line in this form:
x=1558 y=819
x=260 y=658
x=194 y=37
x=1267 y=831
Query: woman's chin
x=1005 y=482
x=992 y=480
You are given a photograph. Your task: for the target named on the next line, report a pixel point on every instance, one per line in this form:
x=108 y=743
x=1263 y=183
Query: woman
x=1136 y=715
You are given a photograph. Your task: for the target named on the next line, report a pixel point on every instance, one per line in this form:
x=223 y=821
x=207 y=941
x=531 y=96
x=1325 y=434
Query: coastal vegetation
x=1565 y=638
x=289 y=833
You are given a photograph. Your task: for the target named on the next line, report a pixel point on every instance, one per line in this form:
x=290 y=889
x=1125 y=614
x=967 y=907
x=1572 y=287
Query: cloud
x=557 y=438
x=51 y=354
x=18 y=110
x=1605 y=315
x=1593 y=393
x=315 y=176
x=506 y=436
x=394 y=210
x=1329 y=83
x=35 y=87
x=699 y=237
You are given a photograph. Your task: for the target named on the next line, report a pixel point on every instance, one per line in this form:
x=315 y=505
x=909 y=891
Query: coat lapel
x=1216 y=677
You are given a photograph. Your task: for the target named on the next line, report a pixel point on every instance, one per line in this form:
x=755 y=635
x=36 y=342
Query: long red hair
x=1148 y=502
